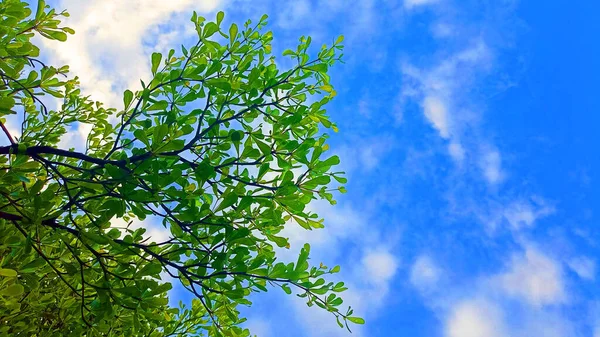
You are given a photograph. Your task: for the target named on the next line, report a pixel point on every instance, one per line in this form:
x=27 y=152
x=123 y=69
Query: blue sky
x=468 y=131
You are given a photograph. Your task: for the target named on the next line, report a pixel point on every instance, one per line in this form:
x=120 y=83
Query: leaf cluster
x=221 y=147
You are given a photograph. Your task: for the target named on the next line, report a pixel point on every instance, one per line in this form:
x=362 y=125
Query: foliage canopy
x=220 y=147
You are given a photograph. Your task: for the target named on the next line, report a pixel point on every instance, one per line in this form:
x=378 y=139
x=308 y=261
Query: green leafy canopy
x=221 y=147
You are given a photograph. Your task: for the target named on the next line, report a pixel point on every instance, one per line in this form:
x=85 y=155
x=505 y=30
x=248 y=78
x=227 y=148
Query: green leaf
x=141 y=135
x=233 y=30
x=279 y=241
x=322 y=180
x=12 y=290
x=356 y=320
x=40 y=9
x=130 y=291
x=127 y=98
x=264 y=148
x=327 y=88
x=319 y=67
x=174 y=145
x=220 y=16
x=33 y=265
x=210 y=29
x=263 y=170
x=160 y=105
x=204 y=171
x=335 y=160
x=236 y=136
x=8 y=272
x=56 y=35
x=229 y=199
x=95 y=237
x=7 y=102
x=219 y=83
x=245 y=202
x=153 y=268
x=160 y=131
x=114 y=233
x=302 y=258
x=156 y=57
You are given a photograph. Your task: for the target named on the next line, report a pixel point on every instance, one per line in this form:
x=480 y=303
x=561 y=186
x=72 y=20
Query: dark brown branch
x=39 y=150
x=10 y=137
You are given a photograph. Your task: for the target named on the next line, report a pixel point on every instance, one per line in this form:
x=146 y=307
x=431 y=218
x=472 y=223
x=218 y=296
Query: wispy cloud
x=352 y=239
x=516 y=215
x=410 y=4
x=524 y=214
x=424 y=273
x=475 y=318
x=531 y=283
x=535 y=278
x=491 y=166
x=584 y=267
x=108 y=51
x=440 y=91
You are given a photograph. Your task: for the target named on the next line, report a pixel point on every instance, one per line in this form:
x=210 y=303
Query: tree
x=220 y=147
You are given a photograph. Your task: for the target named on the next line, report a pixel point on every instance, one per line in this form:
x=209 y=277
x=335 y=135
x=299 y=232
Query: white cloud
x=424 y=273
x=482 y=306
x=369 y=285
x=584 y=267
x=491 y=165
x=436 y=112
x=520 y=215
x=371 y=155
x=342 y=223
x=366 y=156
x=442 y=30
x=372 y=285
x=535 y=278
x=154 y=231
x=107 y=51
x=76 y=138
x=294 y=13
x=416 y=3
x=380 y=266
x=474 y=318
x=524 y=214
x=457 y=151
x=442 y=92
x=347 y=236
x=517 y=216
